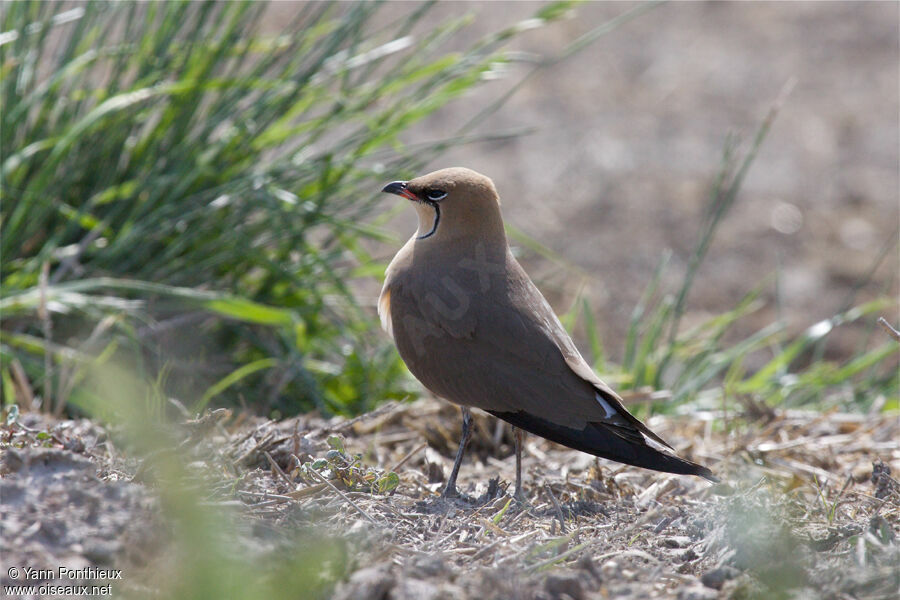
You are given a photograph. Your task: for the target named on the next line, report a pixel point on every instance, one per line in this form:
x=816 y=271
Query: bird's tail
x=598 y=440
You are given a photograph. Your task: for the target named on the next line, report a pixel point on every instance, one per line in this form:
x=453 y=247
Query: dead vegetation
x=808 y=507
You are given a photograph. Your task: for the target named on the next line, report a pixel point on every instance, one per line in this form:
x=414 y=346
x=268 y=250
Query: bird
x=475 y=330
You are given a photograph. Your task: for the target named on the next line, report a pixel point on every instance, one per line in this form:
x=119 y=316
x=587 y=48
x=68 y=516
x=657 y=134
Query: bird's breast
x=384 y=310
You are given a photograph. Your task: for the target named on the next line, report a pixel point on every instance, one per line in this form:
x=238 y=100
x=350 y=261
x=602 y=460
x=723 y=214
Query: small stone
x=861 y=473
x=75 y=445
x=676 y=541
x=372 y=583
x=697 y=592
x=688 y=555
x=428 y=566
x=415 y=589
x=609 y=569
x=562 y=585
x=717 y=577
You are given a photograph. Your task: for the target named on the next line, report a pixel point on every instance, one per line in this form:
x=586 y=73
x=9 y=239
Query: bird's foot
x=521 y=500
x=450 y=493
x=447 y=500
x=520 y=497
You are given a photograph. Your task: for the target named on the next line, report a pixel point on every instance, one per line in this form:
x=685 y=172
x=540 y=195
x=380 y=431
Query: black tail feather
x=596 y=440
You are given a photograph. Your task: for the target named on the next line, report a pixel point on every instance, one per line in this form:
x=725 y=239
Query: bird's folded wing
x=615 y=416
x=505 y=353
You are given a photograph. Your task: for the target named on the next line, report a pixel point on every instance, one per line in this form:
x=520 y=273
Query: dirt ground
x=807 y=508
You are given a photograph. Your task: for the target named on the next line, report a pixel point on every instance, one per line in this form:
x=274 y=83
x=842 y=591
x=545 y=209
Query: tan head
x=452 y=204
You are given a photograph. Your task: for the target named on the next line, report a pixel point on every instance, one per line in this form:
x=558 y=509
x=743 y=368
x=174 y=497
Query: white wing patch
x=607 y=407
x=384 y=311
x=656 y=445
x=611 y=412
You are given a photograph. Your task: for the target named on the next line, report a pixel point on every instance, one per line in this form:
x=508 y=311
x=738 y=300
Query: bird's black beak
x=399 y=188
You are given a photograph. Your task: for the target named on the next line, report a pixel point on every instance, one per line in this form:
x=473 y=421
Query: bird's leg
x=451 y=490
x=520 y=441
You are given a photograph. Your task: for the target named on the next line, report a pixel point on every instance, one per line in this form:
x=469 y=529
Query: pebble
x=717 y=577
x=677 y=541
x=415 y=589
x=697 y=592
x=609 y=569
x=372 y=583
x=688 y=555
x=428 y=566
x=562 y=585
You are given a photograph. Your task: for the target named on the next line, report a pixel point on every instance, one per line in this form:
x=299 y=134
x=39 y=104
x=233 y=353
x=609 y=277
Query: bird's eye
x=434 y=195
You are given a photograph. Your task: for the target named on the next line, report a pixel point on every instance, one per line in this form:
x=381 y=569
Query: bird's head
x=453 y=203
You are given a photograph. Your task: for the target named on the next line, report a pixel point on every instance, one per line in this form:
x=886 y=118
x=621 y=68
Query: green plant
x=349 y=471
x=187 y=194
x=194 y=485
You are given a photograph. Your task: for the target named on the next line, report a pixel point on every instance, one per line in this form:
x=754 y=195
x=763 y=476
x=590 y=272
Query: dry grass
x=800 y=514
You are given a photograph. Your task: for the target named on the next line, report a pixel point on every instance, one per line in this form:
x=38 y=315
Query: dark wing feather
x=599 y=442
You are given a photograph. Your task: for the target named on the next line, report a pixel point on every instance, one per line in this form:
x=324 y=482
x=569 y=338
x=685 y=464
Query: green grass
x=185 y=195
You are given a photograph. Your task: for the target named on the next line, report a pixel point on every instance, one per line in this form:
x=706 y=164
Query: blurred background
x=626 y=137
x=190 y=191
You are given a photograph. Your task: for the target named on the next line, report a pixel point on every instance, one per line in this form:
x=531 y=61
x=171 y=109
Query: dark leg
x=520 y=441
x=451 y=490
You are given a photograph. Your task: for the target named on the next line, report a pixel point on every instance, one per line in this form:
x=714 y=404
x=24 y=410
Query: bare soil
x=807 y=508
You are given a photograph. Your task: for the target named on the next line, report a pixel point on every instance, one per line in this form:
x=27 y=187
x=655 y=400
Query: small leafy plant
x=348 y=471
